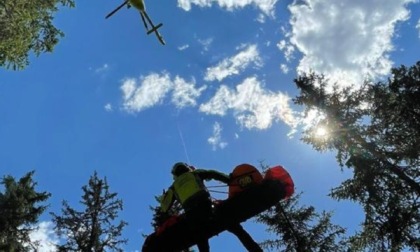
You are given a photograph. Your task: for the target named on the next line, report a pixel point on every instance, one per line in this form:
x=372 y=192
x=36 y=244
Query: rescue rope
x=183 y=142
x=217 y=186
x=217 y=191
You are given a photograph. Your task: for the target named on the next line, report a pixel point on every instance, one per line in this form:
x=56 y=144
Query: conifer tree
x=27 y=27
x=301 y=228
x=20 y=207
x=375 y=132
x=95 y=227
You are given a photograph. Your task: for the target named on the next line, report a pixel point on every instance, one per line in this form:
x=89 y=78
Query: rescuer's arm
x=167 y=200
x=212 y=174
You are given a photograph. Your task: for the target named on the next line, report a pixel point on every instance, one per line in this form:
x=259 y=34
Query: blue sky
x=112 y=99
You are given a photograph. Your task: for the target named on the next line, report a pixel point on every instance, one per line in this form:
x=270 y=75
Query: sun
x=321 y=132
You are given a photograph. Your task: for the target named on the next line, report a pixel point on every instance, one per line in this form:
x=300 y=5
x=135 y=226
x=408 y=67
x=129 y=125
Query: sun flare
x=321 y=132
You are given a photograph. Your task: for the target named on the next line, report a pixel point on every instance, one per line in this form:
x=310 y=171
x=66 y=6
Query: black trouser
x=244 y=237
x=198 y=214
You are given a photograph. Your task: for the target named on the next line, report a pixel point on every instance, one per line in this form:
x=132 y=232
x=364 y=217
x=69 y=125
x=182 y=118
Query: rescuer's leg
x=245 y=238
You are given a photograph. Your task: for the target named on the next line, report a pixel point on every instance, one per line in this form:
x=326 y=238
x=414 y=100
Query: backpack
x=242 y=177
x=279 y=173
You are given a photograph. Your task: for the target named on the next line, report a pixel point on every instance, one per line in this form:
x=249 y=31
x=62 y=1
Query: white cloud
x=108 y=107
x=102 y=69
x=266 y=6
x=251 y=105
x=346 y=40
x=216 y=140
x=284 y=68
x=206 y=43
x=46 y=237
x=151 y=90
x=287 y=48
x=235 y=64
x=183 y=47
x=261 y=18
x=418 y=27
x=184 y=93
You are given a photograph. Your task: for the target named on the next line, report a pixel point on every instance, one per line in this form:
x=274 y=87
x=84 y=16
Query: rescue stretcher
x=250 y=194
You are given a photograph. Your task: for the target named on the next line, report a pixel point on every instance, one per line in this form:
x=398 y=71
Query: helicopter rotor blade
x=116 y=9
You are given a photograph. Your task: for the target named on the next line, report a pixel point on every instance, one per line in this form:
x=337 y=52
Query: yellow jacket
x=188 y=185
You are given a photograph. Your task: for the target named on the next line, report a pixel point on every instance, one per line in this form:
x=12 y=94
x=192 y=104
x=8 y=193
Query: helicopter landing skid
x=154 y=28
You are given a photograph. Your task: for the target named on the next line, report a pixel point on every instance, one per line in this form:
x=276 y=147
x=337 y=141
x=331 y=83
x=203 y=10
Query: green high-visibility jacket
x=189 y=184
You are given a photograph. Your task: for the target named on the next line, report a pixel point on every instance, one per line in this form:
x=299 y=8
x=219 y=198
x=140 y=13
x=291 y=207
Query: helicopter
x=140 y=6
